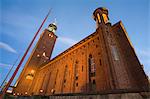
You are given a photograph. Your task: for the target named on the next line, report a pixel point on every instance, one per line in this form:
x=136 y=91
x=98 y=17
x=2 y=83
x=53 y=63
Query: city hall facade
x=103 y=61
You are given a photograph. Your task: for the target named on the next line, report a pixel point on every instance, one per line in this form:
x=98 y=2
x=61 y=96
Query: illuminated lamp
x=26 y=93
x=32 y=71
x=29 y=76
x=41 y=90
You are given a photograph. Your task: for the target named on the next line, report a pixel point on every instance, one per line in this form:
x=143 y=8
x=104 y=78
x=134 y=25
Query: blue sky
x=20 y=19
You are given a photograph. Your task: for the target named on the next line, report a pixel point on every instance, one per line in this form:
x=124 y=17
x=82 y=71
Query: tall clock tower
x=40 y=55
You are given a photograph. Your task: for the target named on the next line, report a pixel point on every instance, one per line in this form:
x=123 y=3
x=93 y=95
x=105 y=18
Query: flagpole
x=20 y=63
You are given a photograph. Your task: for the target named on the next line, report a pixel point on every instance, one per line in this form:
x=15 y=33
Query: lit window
x=38 y=55
x=98 y=18
x=26 y=93
x=50 y=35
x=41 y=90
x=29 y=76
x=32 y=71
x=105 y=18
x=53 y=91
x=44 y=54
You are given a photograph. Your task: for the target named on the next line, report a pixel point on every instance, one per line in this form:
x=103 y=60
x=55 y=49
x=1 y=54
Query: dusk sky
x=20 y=19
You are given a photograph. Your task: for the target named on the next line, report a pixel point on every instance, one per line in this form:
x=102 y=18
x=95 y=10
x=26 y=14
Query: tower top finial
x=55 y=21
x=52 y=27
x=100 y=15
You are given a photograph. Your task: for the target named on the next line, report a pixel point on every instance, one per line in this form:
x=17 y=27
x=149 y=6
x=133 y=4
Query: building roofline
x=82 y=41
x=121 y=26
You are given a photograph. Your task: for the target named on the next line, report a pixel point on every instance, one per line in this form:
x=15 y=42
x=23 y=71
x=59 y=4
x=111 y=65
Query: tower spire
x=55 y=21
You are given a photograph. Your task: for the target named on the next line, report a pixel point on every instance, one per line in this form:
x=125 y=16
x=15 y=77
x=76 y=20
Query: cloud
x=24 y=23
x=7 y=47
x=9 y=66
x=144 y=57
x=148 y=74
x=6 y=66
x=23 y=19
x=144 y=53
x=67 y=41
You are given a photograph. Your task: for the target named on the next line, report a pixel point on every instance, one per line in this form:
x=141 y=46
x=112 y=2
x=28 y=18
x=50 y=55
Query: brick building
x=103 y=61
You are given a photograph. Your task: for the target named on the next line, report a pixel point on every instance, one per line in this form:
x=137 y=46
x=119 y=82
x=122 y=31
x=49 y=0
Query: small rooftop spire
x=100 y=15
x=55 y=21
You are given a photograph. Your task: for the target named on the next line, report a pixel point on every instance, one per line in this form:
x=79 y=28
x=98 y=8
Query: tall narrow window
x=56 y=78
x=105 y=18
x=76 y=70
x=94 y=82
x=65 y=73
x=76 y=75
x=114 y=52
x=100 y=62
x=76 y=84
x=92 y=68
x=98 y=18
x=65 y=76
x=82 y=68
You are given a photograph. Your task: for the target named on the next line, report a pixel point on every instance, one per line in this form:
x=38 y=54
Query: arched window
x=92 y=71
x=105 y=18
x=98 y=18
